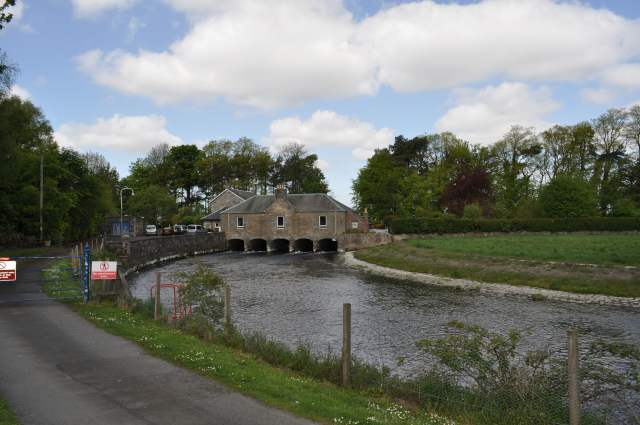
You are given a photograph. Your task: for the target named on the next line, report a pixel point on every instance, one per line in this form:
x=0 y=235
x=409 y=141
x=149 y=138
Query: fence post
x=156 y=310
x=574 y=389
x=87 y=272
x=346 y=344
x=227 y=311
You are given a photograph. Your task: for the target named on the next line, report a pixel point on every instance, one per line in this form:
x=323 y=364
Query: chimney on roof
x=281 y=192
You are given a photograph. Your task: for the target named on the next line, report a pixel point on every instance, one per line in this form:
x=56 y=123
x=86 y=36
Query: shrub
x=472 y=211
x=567 y=196
x=456 y=225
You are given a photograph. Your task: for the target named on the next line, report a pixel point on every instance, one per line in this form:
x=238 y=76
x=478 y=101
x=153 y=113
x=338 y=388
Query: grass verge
x=7 y=417
x=59 y=281
x=471 y=258
x=303 y=396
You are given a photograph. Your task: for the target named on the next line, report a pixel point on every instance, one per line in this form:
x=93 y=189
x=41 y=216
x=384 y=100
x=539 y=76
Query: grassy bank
x=7 y=417
x=303 y=396
x=550 y=261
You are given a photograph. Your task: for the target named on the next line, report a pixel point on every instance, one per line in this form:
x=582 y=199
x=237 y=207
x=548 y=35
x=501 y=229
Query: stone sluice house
x=285 y=222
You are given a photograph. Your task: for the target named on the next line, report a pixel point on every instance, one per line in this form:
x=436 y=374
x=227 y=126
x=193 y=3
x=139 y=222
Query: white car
x=195 y=228
x=150 y=230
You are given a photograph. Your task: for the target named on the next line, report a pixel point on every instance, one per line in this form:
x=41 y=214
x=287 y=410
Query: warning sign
x=104 y=270
x=7 y=271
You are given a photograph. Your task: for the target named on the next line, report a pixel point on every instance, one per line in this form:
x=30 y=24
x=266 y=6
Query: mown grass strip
x=7 y=417
x=602 y=249
x=405 y=256
x=313 y=399
x=58 y=281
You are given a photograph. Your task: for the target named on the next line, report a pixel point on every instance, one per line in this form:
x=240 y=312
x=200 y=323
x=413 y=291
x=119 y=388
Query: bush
x=472 y=211
x=567 y=196
x=456 y=225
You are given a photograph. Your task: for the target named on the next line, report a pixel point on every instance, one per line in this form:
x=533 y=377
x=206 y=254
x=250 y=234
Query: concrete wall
x=141 y=252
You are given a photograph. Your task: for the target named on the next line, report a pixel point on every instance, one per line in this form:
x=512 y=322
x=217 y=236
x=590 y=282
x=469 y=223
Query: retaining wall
x=142 y=252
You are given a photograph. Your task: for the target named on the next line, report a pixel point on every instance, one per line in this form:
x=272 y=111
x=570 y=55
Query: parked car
x=166 y=231
x=195 y=228
x=179 y=229
x=150 y=230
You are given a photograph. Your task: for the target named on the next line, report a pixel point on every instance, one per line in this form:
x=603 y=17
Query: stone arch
x=327 y=245
x=257 y=245
x=236 y=245
x=279 y=245
x=303 y=245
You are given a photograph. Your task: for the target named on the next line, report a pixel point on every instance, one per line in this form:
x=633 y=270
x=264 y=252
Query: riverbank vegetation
x=471 y=376
x=546 y=261
x=7 y=417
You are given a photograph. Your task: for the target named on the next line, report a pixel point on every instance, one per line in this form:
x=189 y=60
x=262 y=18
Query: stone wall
x=141 y=252
x=354 y=241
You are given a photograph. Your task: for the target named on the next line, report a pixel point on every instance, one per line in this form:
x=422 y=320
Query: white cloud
x=272 y=53
x=598 y=95
x=327 y=128
x=19 y=91
x=127 y=133
x=626 y=76
x=322 y=165
x=134 y=26
x=93 y=8
x=485 y=115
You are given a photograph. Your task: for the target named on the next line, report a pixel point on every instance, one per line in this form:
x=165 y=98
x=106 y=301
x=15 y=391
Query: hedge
x=458 y=225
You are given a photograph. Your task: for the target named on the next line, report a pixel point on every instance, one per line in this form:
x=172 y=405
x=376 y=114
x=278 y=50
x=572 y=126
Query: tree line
x=174 y=184
x=582 y=170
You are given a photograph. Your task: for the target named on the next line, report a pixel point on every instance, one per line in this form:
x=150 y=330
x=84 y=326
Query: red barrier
x=179 y=310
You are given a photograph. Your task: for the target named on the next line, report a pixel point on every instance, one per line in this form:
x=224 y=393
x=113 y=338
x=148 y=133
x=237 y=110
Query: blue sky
x=343 y=78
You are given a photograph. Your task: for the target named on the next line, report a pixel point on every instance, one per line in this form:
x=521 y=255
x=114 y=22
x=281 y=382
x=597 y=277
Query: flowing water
x=297 y=298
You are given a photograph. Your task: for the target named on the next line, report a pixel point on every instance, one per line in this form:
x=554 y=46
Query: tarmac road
x=58 y=369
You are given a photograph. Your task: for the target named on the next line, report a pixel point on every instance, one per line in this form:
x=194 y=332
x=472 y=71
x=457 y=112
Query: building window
x=354 y=224
x=239 y=222
x=280 y=222
x=323 y=221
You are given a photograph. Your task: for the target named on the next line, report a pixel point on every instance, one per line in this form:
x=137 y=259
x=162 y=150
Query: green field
x=558 y=262
x=622 y=249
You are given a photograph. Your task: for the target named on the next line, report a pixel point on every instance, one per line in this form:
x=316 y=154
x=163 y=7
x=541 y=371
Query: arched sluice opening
x=236 y=245
x=328 y=245
x=280 y=245
x=257 y=245
x=303 y=245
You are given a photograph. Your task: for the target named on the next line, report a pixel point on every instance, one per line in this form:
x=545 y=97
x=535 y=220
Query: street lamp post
x=121 y=214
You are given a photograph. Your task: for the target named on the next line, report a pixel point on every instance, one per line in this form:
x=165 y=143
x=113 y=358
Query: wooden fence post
x=227 y=311
x=574 y=386
x=346 y=344
x=156 y=310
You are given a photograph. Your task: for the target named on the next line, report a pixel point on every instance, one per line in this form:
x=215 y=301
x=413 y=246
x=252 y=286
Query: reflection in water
x=298 y=299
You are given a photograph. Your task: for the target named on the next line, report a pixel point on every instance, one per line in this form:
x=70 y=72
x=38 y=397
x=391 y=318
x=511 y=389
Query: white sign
x=7 y=270
x=104 y=270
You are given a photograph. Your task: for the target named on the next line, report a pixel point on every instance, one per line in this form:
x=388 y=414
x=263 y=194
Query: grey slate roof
x=302 y=202
x=244 y=194
x=214 y=216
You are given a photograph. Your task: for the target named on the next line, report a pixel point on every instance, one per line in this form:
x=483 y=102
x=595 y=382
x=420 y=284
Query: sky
x=341 y=77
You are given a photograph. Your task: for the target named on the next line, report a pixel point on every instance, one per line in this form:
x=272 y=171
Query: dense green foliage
x=7 y=417
x=462 y=225
x=591 y=168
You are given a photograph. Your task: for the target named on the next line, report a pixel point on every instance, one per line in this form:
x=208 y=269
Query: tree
x=376 y=187
x=5 y=15
x=568 y=196
x=154 y=203
x=632 y=129
x=297 y=170
x=182 y=161
x=515 y=159
x=609 y=128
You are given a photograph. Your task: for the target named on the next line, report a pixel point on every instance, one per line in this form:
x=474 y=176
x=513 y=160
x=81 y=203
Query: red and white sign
x=104 y=270
x=7 y=270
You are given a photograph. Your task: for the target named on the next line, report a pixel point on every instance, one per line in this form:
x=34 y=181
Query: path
x=57 y=368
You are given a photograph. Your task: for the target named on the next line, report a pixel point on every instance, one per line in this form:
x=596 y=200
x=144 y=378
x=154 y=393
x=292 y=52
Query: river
x=297 y=298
